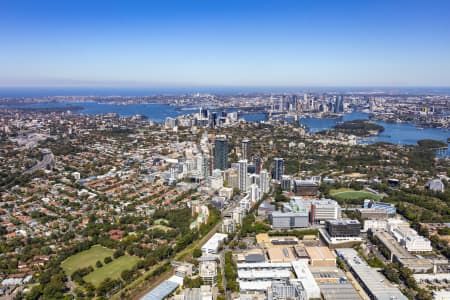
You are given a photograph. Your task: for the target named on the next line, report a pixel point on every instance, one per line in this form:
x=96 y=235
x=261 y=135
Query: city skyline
x=232 y=44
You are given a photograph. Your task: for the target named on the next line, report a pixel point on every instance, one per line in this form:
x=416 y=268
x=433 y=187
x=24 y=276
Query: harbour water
x=155 y=112
x=395 y=133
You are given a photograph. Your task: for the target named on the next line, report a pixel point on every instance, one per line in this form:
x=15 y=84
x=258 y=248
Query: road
x=48 y=159
x=137 y=284
x=153 y=285
x=140 y=282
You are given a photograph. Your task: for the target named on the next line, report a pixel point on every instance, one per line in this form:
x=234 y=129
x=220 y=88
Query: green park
x=89 y=258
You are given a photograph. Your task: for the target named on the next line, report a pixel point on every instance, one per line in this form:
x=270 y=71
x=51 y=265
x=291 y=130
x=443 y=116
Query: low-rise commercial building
x=286 y=291
x=305 y=187
x=202 y=293
x=212 y=245
x=208 y=271
x=289 y=220
x=261 y=276
x=324 y=210
x=372 y=213
x=319 y=210
x=387 y=207
x=374 y=225
x=343 y=228
x=411 y=240
x=399 y=254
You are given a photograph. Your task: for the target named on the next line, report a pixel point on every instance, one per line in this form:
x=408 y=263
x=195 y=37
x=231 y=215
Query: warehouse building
x=261 y=276
x=339 y=291
x=373 y=282
x=164 y=289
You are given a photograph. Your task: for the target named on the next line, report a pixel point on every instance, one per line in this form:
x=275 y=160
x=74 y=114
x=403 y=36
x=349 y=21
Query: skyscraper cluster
x=308 y=103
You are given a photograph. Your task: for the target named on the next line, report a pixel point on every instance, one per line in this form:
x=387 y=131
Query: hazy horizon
x=21 y=92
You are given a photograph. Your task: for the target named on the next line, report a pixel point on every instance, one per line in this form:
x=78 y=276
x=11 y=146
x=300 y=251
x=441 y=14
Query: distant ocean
x=19 y=92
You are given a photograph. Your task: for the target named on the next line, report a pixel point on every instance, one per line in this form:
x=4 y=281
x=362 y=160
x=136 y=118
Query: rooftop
x=164 y=289
x=319 y=253
x=339 y=291
x=370 y=278
x=344 y=222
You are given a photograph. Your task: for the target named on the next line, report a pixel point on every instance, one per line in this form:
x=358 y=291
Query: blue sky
x=203 y=43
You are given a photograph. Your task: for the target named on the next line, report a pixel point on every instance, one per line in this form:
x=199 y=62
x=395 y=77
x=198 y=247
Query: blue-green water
x=395 y=133
x=155 y=112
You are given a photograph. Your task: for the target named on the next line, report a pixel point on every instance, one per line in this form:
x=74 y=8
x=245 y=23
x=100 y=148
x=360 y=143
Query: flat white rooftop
x=264 y=266
x=254 y=285
x=212 y=244
x=263 y=274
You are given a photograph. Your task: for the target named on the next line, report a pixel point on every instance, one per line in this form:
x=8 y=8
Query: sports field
x=91 y=256
x=85 y=259
x=351 y=194
x=111 y=270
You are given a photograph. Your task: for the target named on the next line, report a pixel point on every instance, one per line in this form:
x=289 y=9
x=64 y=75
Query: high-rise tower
x=257 y=162
x=245 y=145
x=278 y=168
x=221 y=152
x=243 y=175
